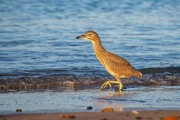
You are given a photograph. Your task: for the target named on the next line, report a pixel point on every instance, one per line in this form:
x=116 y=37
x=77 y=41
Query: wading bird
x=114 y=64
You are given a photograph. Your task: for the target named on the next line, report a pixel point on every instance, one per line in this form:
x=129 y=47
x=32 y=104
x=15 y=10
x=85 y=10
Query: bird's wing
x=119 y=61
x=118 y=65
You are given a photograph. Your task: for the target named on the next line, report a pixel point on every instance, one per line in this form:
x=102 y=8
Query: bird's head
x=90 y=35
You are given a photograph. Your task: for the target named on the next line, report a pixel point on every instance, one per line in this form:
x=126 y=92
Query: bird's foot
x=112 y=82
x=109 y=83
x=105 y=84
x=120 y=88
x=120 y=92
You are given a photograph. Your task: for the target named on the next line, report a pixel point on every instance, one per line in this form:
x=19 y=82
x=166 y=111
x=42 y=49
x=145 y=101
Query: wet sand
x=134 y=98
x=108 y=115
x=139 y=103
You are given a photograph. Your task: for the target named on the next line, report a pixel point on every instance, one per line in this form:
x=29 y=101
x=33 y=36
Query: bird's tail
x=137 y=74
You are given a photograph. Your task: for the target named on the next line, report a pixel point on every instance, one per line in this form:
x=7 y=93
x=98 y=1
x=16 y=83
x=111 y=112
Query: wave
x=60 y=79
x=160 y=70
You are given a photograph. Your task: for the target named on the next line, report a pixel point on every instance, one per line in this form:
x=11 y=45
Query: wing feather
x=117 y=65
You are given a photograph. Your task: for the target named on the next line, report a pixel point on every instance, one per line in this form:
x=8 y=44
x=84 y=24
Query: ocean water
x=37 y=38
x=42 y=65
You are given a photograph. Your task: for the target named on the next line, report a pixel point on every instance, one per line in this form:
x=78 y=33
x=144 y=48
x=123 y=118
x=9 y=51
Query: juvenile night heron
x=115 y=65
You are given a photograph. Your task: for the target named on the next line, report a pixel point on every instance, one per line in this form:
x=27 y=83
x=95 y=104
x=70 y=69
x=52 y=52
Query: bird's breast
x=103 y=59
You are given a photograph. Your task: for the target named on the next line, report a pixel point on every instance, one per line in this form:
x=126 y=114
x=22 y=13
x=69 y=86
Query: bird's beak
x=81 y=36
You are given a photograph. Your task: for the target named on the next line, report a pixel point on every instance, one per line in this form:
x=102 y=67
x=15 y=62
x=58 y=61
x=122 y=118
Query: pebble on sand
x=171 y=118
x=107 y=110
x=135 y=112
x=68 y=116
x=89 y=108
x=18 y=110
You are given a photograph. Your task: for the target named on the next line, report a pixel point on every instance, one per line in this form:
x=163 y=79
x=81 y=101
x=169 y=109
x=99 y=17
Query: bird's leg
x=120 y=87
x=120 y=84
x=105 y=84
x=108 y=83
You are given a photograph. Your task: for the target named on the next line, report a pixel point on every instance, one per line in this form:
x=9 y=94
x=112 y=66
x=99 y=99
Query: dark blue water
x=38 y=37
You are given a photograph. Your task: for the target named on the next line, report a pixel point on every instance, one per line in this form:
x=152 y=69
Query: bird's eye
x=90 y=35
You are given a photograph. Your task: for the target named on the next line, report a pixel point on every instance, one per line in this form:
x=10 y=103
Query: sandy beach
x=107 y=115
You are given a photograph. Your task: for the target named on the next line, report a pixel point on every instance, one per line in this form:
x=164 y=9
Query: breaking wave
x=54 y=80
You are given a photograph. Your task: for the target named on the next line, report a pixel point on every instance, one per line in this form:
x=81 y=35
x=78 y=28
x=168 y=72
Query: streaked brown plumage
x=115 y=65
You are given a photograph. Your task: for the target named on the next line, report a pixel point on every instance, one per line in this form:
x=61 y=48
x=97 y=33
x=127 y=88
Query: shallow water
x=71 y=100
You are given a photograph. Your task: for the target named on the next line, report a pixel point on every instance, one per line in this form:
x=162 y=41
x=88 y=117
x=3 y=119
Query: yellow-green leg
x=120 y=87
x=120 y=84
x=113 y=82
x=108 y=83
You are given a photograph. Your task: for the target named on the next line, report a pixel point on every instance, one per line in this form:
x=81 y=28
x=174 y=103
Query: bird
x=114 y=64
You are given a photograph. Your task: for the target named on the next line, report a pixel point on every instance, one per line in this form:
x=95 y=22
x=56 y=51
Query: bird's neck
x=98 y=47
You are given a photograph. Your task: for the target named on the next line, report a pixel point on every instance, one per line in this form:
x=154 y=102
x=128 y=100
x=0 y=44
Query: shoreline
x=134 y=98
x=103 y=115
